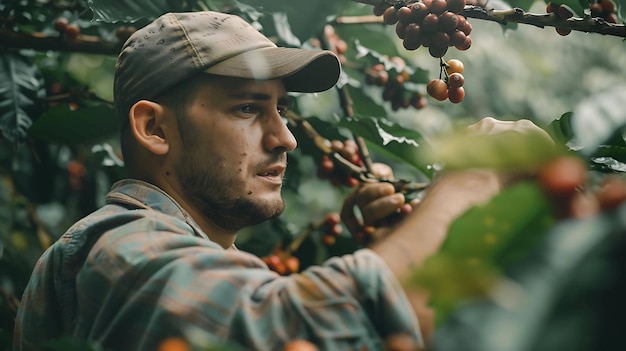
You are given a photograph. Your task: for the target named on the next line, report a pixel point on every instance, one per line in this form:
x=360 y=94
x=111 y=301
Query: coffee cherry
x=401 y=342
x=292 y=264
x=466 y=44
x=380 y=8
x=60 y=24
x=438 y=6
x=413 y=33
x=612 y=193
x=300 y=345
x=390 y=16
x=562 y=176
x=418 y=101
x=72 y=31
x=596 y=10
x=458 y=38
x=174 y=344
x=454 y=66
x=456 y=94
x=405 y=15
x=564 y=12
x=456 y=80
x=437 y=51
x=438 y=89
x=608 y=6
x=563 y=31
x=329 y=239
x=419 y=10
x=467 y=28
x=431 y=22
x=441 y=39
x=456 y=6
x=611 y=18
x=448 y=21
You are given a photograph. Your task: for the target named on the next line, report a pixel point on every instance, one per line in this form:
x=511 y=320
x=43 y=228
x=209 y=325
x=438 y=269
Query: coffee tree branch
x=359 y=172
x=515 y=15
x=42 y=42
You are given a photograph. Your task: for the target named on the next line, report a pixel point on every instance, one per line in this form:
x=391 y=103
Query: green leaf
x=129 y=10
x=481 y=243
x=6 y=212
x=508 y=150
x=62 y=125
x=561 y=129
x=498 y=233
x=22 y=96
x=390 y=139
x=306 y=18
x=362 y=102
x=621 y=10
x=368 y=36
x=596 y=118
x=578 y=6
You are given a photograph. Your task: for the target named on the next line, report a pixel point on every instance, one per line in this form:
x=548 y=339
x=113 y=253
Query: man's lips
x=274 y=171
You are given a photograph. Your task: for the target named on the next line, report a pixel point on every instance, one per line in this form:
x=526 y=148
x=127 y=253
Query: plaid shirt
x=139 y=270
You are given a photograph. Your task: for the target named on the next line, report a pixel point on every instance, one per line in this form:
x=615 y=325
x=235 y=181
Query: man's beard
x=212 y=194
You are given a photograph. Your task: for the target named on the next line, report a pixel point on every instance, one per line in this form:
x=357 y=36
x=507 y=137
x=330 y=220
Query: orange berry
x=455 y=66
x=174 y=344
x=300 y=345
x=292 y=264
x=328 y=239
x=438 y=89
x=562 y=176
x=612 y=193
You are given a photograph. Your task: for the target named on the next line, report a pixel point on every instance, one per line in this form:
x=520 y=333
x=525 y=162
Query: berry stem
x=443 y=68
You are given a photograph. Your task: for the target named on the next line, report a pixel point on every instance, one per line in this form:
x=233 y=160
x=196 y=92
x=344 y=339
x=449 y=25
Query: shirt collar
x=145 y=195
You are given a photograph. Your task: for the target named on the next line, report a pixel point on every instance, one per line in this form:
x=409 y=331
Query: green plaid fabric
x=139 y=270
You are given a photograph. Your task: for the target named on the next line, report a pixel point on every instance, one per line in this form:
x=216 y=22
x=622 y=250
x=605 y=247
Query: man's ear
x=147 y=120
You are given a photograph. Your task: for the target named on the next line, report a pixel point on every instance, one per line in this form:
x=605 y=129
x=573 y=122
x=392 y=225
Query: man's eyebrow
x=285 y=100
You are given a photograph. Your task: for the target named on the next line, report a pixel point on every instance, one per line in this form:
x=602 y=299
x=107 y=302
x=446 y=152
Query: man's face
x=233 y=151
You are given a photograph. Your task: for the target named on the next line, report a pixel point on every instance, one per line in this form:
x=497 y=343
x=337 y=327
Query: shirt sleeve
x=137 y=288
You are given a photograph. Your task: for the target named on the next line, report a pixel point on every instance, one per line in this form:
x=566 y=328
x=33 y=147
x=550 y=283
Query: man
x=201 y=98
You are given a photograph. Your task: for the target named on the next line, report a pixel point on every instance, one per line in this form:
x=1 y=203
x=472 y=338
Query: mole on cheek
x=249 y=192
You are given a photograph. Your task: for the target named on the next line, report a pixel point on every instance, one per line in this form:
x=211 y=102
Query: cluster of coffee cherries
x=337 y=175
x=335 y=43
x=282 y=262
x=392 y=81
x=451 y=87
x=66 y=29
x=435 y=24
x=561 y=11
x=330 y=228
x=604 y=9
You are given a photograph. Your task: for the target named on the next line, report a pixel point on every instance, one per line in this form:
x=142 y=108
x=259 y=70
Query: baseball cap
x=178 y=46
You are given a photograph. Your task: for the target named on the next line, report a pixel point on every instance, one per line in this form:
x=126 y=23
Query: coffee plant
x=415 y=73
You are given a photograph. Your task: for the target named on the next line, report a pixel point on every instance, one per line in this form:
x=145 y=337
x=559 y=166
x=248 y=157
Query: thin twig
x=42 y=42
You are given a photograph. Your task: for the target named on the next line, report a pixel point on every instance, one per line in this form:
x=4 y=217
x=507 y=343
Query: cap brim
x=302 y=70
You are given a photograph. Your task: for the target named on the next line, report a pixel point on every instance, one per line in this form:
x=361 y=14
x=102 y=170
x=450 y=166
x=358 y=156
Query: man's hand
x=490 y=125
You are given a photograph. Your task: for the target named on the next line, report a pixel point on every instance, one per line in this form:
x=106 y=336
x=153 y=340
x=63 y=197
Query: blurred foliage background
x=59 y=151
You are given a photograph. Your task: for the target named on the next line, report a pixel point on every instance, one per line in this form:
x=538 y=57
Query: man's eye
x=282 y=110
x=248 y=109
